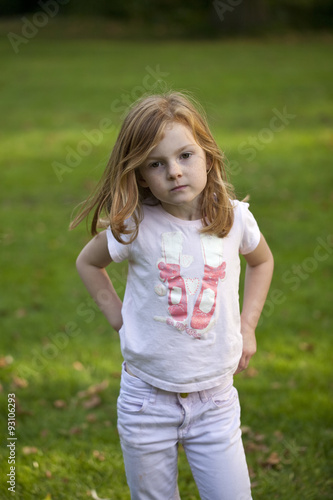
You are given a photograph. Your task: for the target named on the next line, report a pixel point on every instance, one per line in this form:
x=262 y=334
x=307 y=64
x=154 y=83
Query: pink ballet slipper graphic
x=206 y=302
x=177 y=299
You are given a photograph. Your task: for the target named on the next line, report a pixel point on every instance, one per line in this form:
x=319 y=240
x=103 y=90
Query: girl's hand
x=249 y=349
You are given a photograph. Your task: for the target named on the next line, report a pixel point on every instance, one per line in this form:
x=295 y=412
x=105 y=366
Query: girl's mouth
x=178 y=188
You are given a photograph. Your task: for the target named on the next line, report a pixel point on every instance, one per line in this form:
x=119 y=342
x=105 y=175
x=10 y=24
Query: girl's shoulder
x=243 y=216
x=246 y=226
x=240 y=207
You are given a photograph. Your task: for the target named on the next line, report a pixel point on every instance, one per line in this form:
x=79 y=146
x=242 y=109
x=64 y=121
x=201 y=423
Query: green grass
x=54 y=343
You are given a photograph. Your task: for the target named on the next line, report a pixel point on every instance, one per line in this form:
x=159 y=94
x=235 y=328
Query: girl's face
x=176 y=172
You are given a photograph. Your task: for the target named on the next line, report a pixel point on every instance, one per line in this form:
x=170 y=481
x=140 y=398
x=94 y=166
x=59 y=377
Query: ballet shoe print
x=169 y=267
x=206 y=302
x=177 y=299
x=214 y=270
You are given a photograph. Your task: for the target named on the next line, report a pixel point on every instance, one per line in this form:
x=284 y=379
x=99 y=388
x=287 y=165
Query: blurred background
x=171 y=18
x=263 y=71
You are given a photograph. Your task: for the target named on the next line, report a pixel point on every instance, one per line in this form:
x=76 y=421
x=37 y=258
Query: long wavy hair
x=118 y=195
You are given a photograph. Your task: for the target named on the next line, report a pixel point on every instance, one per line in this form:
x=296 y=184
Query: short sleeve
x=251 y=232
x=118 y=251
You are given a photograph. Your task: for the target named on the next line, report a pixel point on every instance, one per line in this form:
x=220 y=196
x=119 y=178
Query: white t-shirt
x=181 y=318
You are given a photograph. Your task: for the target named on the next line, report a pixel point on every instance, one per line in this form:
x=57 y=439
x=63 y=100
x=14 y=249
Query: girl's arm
x=91 y=265
x=258 y=276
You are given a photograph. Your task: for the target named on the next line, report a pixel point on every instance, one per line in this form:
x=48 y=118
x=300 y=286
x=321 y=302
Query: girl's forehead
x=174 y=131
x=174 y=137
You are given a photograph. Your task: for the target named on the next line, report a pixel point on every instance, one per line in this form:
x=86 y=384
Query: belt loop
x=203 y=396
x=153 y=394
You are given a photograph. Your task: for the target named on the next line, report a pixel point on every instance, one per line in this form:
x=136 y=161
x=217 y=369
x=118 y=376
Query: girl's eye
x=185 y=156
x=155 y=164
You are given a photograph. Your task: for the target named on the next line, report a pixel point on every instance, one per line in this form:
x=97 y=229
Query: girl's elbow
x=271 y=259
x=270 y=264
x=79 y=263
x=268 y=257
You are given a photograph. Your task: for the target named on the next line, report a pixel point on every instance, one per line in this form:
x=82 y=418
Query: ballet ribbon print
x=206 y=302
x=177 y=298
x=180 y=289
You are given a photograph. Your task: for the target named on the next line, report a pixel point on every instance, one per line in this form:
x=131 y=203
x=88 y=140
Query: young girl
x=167 y=208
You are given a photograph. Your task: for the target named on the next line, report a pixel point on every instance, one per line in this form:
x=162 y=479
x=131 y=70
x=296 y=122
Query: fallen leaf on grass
x=77 y=365
x=306 y=346
x=95 y=496
x=251 y=372
x=251 y=447
x=29 y=450
x=91 y=418
x=272 y=460
x=259 y=437
x=75 y=430
x=94 y=389
x=97 y=454
x=59 y=403
x=92 y=402
x=48 y=474
x=19 y=383
x=6 y=361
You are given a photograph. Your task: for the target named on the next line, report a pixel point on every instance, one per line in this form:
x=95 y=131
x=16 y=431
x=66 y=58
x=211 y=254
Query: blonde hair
x=118 y=196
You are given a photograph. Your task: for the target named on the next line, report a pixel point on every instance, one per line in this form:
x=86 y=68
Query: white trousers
x=152 y=422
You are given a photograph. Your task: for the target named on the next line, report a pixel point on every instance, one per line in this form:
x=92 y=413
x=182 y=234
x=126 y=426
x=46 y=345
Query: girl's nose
x=174 y=170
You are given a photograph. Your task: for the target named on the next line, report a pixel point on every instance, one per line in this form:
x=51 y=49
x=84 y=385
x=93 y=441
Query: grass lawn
x=270 y=107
